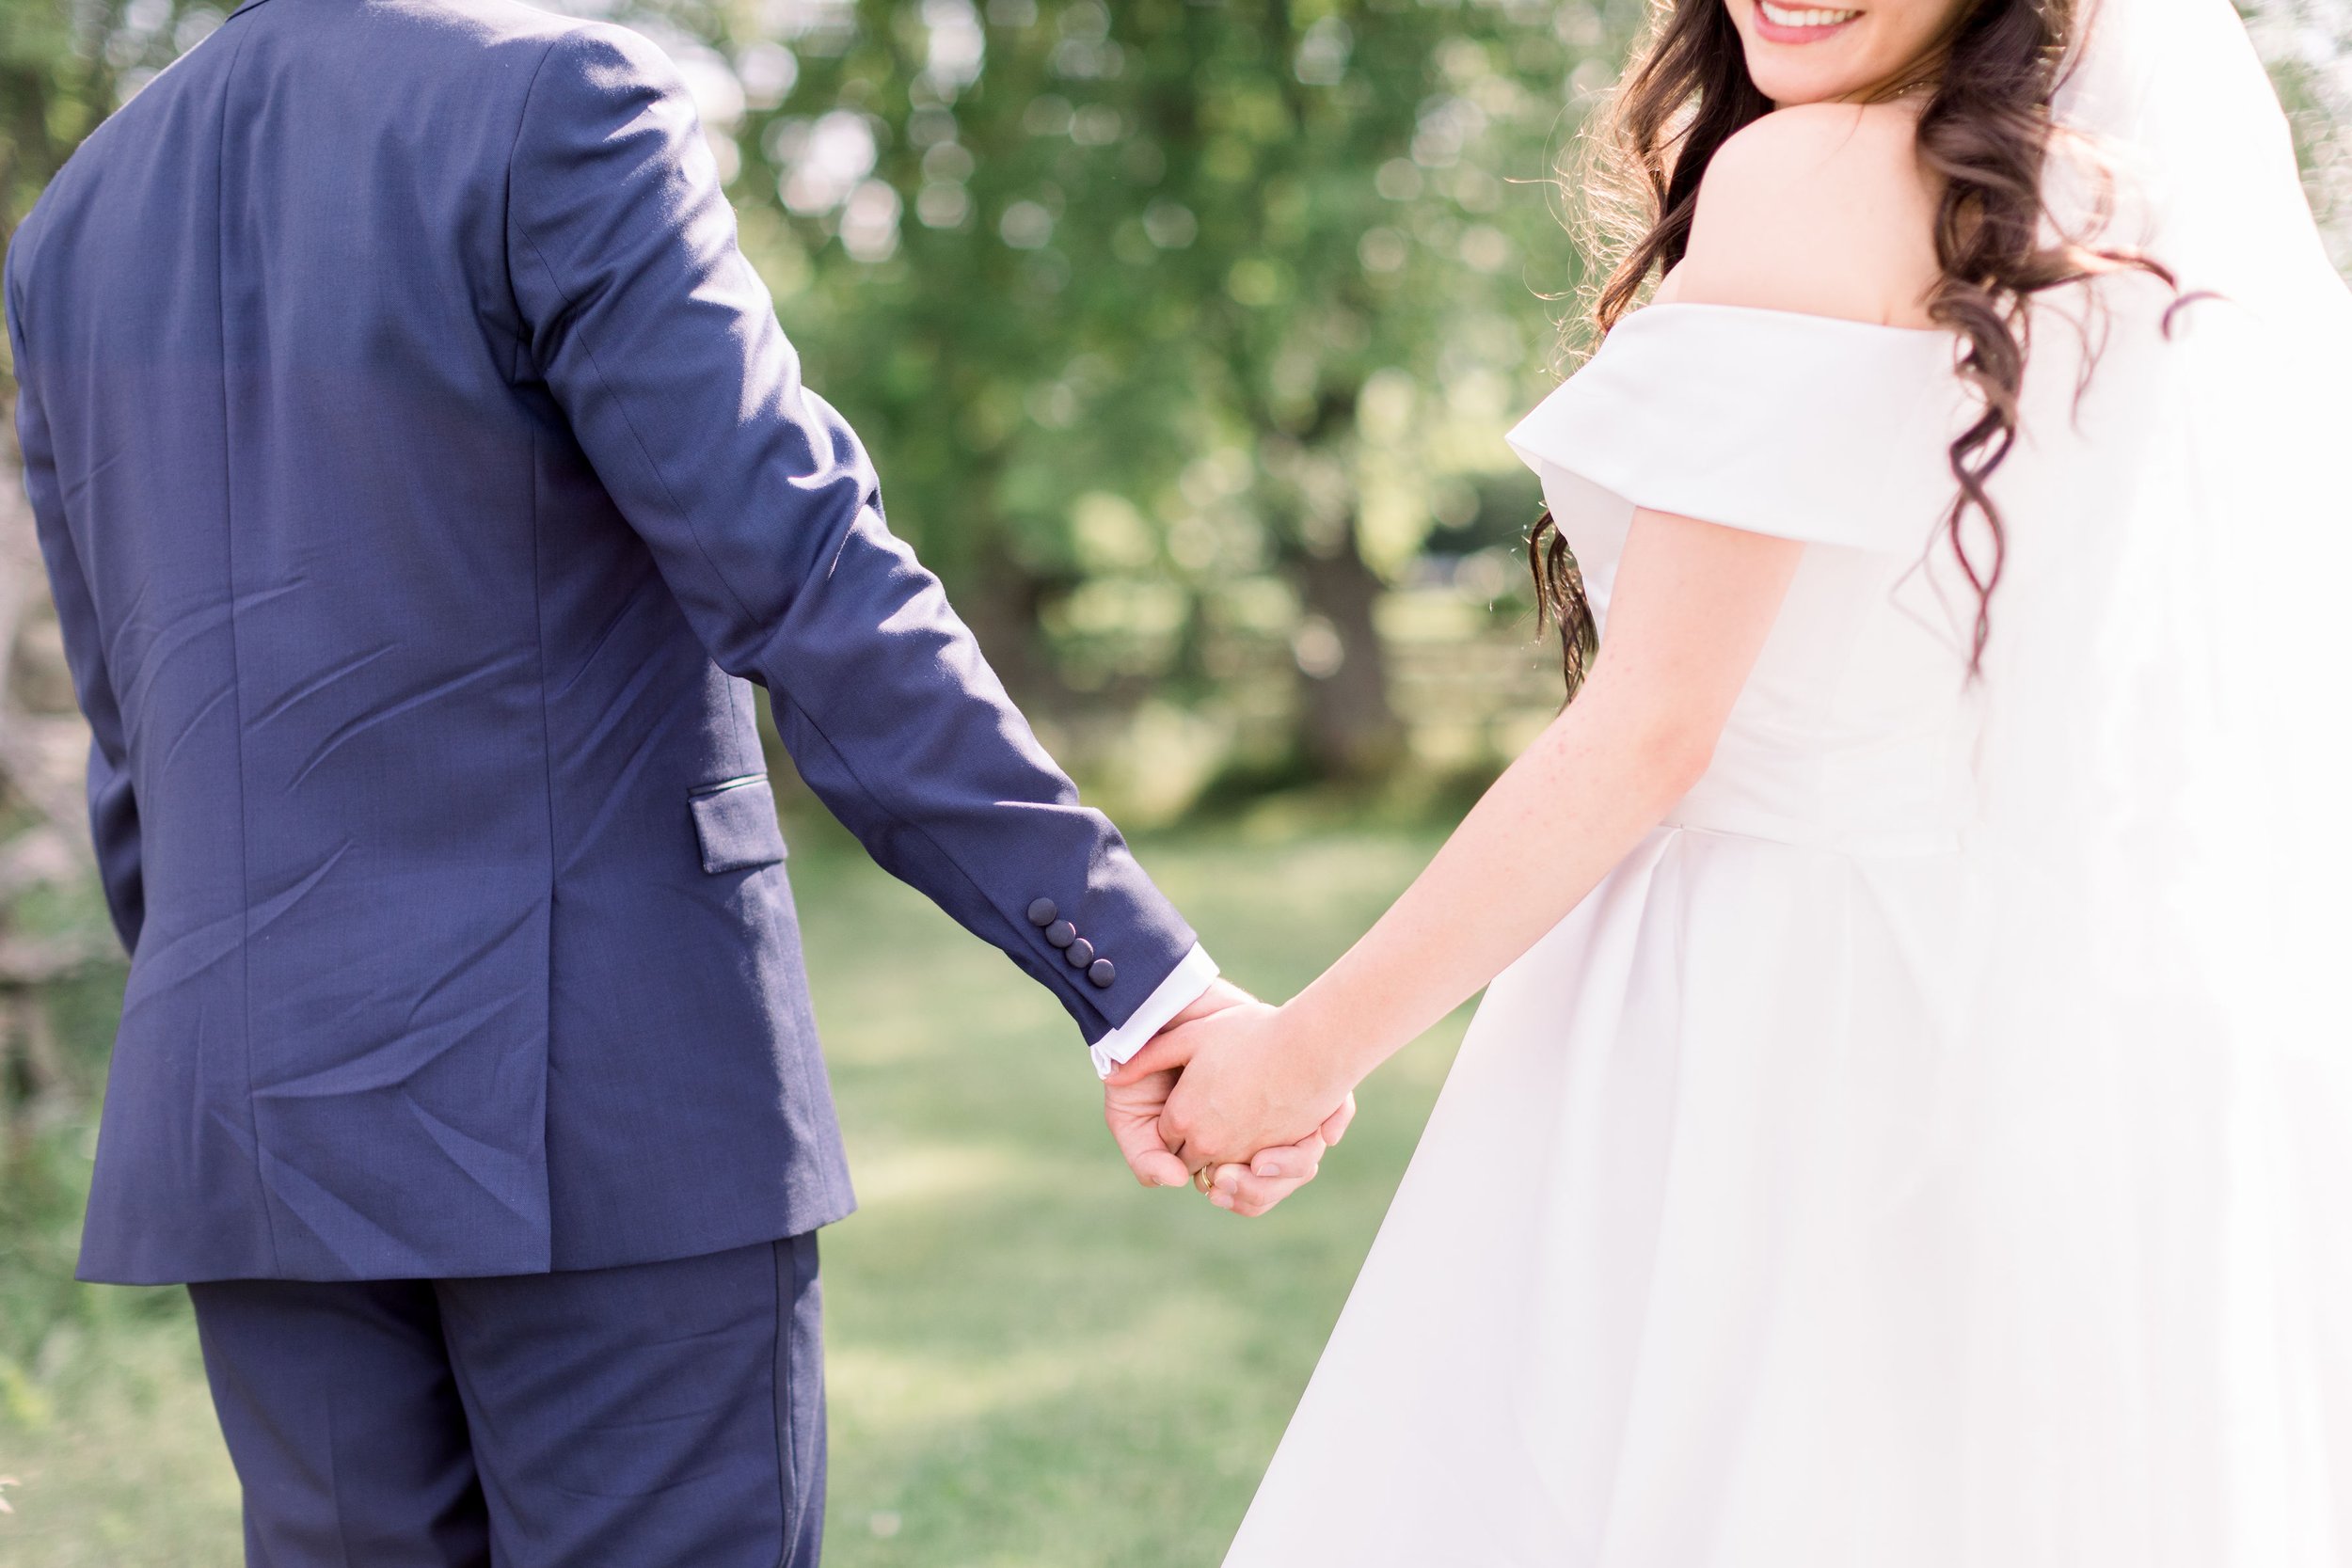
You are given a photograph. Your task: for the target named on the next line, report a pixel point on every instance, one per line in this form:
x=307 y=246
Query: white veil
x=2163 y=1007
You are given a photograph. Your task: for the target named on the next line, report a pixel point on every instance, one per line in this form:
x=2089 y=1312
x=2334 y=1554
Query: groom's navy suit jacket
x=422 y=476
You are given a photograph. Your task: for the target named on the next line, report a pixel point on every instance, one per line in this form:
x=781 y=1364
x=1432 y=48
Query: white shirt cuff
x=1183 y=986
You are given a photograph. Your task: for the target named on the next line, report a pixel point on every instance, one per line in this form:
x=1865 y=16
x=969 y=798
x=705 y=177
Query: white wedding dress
x=1931 y=1148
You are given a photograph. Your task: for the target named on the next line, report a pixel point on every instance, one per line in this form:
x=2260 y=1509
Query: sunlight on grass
x=126 y=1470
x=1034 y=1361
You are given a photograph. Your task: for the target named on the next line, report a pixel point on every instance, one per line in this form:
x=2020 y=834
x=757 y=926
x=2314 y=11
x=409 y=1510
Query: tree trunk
x=1347 y=726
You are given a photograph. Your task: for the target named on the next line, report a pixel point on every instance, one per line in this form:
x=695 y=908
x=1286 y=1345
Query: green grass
x=1033 y=1361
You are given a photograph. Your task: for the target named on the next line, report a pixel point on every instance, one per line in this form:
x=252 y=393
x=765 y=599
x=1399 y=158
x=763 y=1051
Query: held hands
x=1137 y=1098
x=1133 y=1099
x=1218 y=1092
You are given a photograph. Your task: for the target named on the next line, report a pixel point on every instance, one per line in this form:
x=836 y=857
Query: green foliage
x=1160 y=188
x=65 y=67
x=1143 y=308
x=45 y=1153
x=2308 y=46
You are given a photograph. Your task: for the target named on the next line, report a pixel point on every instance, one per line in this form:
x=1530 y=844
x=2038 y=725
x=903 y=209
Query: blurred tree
x=66 y=67
x=1345 y=161
x=1104 y=290
x=2308 y=46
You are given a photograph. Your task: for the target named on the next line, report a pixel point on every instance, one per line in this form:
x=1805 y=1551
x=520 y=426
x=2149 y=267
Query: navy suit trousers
x=659 y=1416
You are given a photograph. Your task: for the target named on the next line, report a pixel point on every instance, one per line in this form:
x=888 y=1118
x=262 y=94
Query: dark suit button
x=1081 y=952
x=1061 y=933
x=1044 y=913
x=1102 y=975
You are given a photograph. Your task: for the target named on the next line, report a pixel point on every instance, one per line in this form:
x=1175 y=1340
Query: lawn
x=1034 y=1361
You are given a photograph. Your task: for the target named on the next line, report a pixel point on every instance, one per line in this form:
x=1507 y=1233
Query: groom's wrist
x=1184 y=986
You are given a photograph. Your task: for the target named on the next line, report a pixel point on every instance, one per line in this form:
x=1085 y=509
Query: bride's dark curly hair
x=1985 y=137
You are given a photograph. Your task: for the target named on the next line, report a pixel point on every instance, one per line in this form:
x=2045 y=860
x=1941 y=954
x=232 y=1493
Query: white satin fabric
x=1932 y=1147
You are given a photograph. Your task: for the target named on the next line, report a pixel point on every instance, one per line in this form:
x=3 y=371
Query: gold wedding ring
x=1203 y=1180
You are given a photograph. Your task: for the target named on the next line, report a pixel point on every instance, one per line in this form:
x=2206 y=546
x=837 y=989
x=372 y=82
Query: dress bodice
x=1856 y=727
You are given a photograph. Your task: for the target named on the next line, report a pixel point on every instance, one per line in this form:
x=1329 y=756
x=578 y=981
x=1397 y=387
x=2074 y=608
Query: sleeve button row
x=1046 y=915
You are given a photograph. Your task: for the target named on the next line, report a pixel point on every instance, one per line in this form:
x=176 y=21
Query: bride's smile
x=1792 y=25
x=1806 y=54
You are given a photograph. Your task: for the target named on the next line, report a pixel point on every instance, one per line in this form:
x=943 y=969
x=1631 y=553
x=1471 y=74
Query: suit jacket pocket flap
x=735 y=822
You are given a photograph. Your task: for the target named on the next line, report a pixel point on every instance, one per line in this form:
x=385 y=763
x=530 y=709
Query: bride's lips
x=1800 y=24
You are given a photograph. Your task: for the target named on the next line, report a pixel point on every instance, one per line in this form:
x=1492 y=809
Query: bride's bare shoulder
x=1821 y=209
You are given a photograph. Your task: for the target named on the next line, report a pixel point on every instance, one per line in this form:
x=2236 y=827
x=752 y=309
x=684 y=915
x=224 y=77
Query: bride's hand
x=1273 y=1174
x=1245 y=1091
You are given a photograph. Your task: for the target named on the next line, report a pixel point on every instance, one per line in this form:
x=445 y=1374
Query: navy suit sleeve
x=660 y=344
x=113 y=811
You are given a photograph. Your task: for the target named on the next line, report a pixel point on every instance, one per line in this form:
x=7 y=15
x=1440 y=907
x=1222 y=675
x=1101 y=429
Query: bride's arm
x=1691 y=605
x=1820 y=211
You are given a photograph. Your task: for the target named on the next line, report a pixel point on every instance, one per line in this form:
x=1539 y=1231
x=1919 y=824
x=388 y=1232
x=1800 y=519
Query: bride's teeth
x=1780 y=16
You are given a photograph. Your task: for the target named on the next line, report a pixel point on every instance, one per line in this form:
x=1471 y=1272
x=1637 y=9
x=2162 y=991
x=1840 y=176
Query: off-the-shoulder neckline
x=1765 y=311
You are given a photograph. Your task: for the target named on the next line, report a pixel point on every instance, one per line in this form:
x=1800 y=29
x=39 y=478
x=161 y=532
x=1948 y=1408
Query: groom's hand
x=1132 y=1103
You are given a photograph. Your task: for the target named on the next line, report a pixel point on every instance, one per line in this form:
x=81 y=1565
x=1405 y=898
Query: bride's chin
x=1788 y=89
x=1786 y=94
x=1811 y=74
